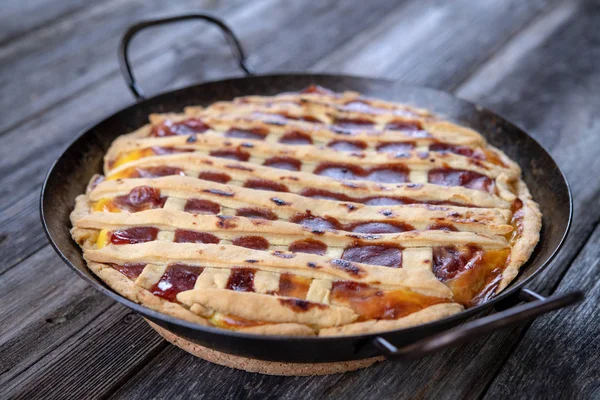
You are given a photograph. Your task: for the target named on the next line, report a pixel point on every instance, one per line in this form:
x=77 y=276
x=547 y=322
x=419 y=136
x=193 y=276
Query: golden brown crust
x=396 y=204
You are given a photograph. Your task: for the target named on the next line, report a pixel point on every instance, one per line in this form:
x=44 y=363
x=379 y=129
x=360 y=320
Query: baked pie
x=306 y=213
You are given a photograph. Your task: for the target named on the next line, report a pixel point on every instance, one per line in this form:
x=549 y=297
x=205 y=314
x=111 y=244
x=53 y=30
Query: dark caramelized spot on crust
x=309 y=246
x=254 y=133
x=138 y=234
x=156 y=172
x=288 y=163
x=442 y=227
x=185 y=127
x=385 y=255
x=279 y=202
x=296 y=138
x=177 y=278
x=293 y=286
x=185 y=236
x=349 y=126
x=140 y=198
x=373 y=303
x=219 y=192
x=454 y=177
x=409 y=128
x=232 y=154
x=201 y=206
x=300 y=305
x=347 y=266
x=251 y=242
x=241 y=280
x=225 y=222
x=397 y=173
x=130 y=270
x=214 y=176
x=380 y=227
x=263 y=184
x=399 y=148
x=347 y=145
x=261 y=213
x=312 y=222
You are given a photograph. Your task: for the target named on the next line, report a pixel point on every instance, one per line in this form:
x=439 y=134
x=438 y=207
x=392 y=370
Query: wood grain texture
x=59 y=74
x=562 y=349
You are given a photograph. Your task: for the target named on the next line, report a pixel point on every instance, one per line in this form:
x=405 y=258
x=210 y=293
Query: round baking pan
x=72 y=171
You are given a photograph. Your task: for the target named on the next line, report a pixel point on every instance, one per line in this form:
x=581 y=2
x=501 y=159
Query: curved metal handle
x=236 y=47
x=536 y=305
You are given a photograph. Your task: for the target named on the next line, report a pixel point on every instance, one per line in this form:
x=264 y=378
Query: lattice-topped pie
x=308 y=213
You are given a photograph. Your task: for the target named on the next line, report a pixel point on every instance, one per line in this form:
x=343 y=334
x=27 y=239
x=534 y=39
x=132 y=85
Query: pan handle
x=534 y=306
x=127 y=72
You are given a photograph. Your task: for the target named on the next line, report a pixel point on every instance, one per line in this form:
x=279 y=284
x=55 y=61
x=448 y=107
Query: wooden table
x=536 y=62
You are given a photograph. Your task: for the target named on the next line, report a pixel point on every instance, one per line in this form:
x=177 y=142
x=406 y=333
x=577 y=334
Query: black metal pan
x=70 y=174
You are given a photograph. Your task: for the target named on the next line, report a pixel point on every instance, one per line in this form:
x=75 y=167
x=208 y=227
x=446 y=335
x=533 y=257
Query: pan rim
x=95 y=282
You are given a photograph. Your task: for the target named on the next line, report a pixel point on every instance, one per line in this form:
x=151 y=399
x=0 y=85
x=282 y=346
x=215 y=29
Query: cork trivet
x=260 y=366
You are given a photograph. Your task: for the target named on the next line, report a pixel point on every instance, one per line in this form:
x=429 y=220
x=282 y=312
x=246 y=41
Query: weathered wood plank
x=63 y=58
x=562 y=350
x=439 y=48
x=20 y=17
x=57 y=333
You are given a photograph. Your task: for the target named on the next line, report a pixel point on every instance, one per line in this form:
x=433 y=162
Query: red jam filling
x=263 y=184
x=253 y=134
x=251 y=242
x=347 y=145
x=232 y=154
x=259 y=213
x=156 y=172
x=140 y=198
x=214 y=177
x=185 y=236
x=409 y=128
x=373 y=303
x=201 y=206
x=309 y=246
x=381 y=227
x=385 y=174
x=138 y=234
x=316 y=223
x=287 y=163
x=399 y=148
x=241 y=280
x=186 y=127
x=470 y=272
x=348 y=126
x=293 y=286
x=468 y=179
x=387 y=256
x=296 y=138
x=177 y=278
x=130 y=270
